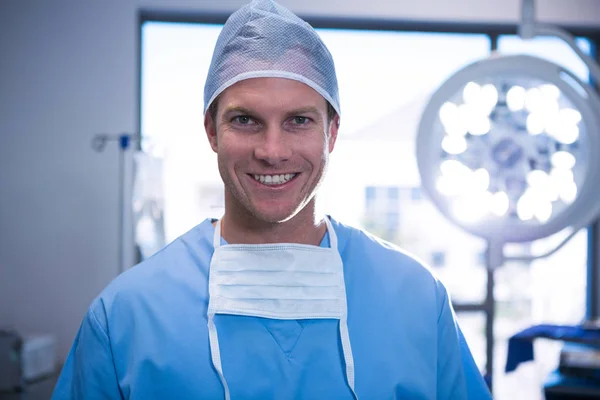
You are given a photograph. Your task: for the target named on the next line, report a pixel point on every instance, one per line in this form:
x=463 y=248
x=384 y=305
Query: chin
x=276 y=216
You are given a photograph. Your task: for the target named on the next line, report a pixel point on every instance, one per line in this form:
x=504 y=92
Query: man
x=272 y=301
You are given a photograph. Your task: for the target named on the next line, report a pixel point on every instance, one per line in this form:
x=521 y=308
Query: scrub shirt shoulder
x=146 y=336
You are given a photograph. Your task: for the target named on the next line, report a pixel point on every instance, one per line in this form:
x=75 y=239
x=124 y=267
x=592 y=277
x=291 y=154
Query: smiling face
x=272 y=137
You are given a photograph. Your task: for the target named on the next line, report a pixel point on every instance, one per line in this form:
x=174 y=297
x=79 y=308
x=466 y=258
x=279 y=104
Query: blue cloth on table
x=520 y=346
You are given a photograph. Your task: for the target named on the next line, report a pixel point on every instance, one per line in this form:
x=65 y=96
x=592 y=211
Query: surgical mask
x=278 y=281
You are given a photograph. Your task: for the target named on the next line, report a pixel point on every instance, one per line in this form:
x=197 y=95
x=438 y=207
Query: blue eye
x=243 y=120
x=301 y=120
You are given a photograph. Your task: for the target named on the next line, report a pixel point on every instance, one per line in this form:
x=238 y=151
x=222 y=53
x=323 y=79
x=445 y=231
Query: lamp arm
x=527 y=26
x=528 y=29
x=591 y=216
x=547 y=254
x=590 y=63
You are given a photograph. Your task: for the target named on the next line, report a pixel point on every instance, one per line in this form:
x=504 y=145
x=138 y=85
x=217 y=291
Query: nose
x=273 y=147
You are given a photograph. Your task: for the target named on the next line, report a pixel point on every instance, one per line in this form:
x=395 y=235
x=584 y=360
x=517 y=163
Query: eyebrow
x=311 y=110
x=244 y=110
x=237 y=109
x=304 y=110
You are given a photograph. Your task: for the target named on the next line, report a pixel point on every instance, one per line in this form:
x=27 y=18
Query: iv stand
x=125 y=236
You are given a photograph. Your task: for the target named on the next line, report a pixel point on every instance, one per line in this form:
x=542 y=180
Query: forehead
x=271 y=93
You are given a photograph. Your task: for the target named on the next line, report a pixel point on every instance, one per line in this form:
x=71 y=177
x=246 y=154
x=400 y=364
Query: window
x=416 y=194
x=438 y=259
x=382 y=211
x=550 y=290
x=373 y=180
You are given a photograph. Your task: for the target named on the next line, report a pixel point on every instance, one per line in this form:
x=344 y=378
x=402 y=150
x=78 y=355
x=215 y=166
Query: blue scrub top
x=145 y=337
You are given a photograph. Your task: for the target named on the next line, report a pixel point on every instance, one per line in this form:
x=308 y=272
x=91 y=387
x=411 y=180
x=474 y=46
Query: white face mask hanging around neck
x=278 y=281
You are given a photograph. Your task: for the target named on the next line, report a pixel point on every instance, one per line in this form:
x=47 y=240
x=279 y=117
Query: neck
x=240 y=227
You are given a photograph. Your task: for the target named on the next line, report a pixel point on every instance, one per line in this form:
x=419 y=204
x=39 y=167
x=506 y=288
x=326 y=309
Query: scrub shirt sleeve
x=458 y=376
x=89 y=371
x=476 y=386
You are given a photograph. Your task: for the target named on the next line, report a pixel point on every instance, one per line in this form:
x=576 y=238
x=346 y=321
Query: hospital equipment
x=508 y=149
x=140 y=198
x=25 y=359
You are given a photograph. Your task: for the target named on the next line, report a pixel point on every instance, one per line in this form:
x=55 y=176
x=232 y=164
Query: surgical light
x=508 y=147
x=515 y=98
x=563 y=160
x=454 y=144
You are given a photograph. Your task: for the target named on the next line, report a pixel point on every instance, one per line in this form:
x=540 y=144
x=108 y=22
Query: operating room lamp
x=508 y=148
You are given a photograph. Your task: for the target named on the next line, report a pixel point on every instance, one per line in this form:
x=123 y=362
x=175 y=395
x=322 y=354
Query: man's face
x=272 y=140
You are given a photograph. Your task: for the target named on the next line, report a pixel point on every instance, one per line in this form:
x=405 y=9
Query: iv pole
x=125 y=236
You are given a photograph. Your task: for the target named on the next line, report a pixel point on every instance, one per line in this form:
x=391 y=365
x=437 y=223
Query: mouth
x=274 y=180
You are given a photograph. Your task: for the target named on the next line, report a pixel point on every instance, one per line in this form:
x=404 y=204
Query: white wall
x=68 y=70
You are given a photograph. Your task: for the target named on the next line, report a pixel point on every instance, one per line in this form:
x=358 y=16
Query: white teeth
x=274 y=179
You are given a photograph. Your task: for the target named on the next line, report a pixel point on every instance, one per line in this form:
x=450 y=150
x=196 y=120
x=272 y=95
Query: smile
x=274 y=179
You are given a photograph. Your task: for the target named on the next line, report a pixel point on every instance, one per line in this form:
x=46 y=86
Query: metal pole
x=121 y=196
x=494 y=259
x=490 y=305
x=593 y=278
x=593 y=261
x=125 y=242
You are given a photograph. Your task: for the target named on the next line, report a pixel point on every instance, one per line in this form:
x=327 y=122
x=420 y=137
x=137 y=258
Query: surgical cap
x=265 y=39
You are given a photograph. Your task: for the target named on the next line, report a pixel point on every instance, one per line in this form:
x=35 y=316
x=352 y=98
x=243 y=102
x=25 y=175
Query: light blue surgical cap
x=265 y=39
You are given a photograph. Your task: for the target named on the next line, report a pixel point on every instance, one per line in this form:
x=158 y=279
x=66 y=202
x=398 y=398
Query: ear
x=210 y=126
x=334 y=126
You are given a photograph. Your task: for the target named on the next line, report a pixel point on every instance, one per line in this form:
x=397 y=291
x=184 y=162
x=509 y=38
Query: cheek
x=321 y=148
x=311 y=143
x=315 y=154
x=231 y=154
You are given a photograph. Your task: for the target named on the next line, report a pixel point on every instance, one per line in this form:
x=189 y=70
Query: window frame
x=493 y=31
